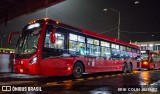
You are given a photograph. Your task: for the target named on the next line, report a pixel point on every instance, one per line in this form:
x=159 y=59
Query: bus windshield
x=155 y=57
x=28 y=39
x=144 y=55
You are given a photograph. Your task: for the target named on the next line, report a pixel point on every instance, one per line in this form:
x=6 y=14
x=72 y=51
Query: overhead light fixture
x=104 y=9
x=136 y=2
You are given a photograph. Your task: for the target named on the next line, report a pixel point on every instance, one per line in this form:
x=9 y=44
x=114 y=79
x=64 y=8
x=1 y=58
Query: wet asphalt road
x=138 y=82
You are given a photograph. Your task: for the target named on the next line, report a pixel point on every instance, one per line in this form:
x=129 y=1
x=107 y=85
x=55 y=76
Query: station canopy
x=10 y=9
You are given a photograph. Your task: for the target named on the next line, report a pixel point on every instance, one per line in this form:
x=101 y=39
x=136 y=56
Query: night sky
x=139 y=20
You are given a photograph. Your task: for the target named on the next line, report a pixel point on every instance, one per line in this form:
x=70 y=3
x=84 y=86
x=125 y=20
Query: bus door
x=115 y=57
x=53 y=51
x=90 y=59
x=93 y=55
x=106 y=56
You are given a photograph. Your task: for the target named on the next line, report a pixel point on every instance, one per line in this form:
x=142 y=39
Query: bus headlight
x=145 y=62
x=34 y=60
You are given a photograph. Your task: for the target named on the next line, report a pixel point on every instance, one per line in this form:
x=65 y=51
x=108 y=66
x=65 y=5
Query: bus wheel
x=124 y=68
x=130 y=67
x=77 y=70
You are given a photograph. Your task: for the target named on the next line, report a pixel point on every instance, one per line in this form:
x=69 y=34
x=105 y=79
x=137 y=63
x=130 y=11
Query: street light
x=119 y=19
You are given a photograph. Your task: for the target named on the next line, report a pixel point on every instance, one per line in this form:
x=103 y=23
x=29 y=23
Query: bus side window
x=73 y=49
x=53 y=49
x=93 y=48
x=134 y=54
x=138 y=57
x=90 y=50
x=115 y=51
x=122 y=52
x=129 y=53
x=105 y=50
x=77 y=45
x=59 y=44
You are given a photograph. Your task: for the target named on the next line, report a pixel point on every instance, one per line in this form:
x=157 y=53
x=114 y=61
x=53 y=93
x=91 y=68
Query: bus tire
x=130 y=67
x=124 y=68
x=77 y=70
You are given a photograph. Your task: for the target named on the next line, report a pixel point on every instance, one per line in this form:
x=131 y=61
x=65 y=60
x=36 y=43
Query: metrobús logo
x=14 y=88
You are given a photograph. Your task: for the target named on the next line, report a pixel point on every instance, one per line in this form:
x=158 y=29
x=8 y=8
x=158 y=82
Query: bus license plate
x=21 y=70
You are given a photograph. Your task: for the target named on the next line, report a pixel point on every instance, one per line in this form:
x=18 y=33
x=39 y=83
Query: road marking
x=80 y=79
x=99 y=77
x=113 y=75
x=106 y=76
x=52 y=83
x=90 y=78
x=67 y=81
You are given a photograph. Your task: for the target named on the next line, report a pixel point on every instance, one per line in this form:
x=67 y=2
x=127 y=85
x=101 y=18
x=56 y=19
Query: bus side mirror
x=9 y=38
x=11 y=35
x=53 y=36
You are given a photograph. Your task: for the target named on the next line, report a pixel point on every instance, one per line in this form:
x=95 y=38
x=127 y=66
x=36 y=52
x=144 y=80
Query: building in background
x=152 y=45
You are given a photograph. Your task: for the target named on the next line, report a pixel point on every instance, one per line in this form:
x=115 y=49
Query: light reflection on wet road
x=103 y=84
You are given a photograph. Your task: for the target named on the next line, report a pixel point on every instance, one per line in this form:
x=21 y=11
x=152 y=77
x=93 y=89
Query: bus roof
x=114 y=40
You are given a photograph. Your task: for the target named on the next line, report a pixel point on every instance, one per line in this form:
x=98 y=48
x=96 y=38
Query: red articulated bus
x=150 y=59
x=51 y=48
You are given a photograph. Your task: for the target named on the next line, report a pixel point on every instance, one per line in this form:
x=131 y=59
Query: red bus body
x=40 y=61
x=151 y=61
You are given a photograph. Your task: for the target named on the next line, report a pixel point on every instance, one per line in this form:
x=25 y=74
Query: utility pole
x=119 y=20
